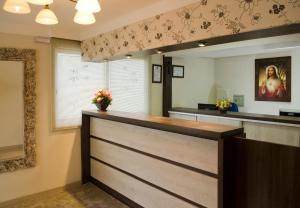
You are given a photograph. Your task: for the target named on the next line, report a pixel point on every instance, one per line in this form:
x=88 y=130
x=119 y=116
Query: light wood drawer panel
x=139 y=192
x=219 y=120
x=194 y=186
x=285 y=135
x=192 y=151
x=183 y=116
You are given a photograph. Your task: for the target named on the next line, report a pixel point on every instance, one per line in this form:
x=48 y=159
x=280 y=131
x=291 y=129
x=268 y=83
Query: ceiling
x=241 y=48
x=114 y=14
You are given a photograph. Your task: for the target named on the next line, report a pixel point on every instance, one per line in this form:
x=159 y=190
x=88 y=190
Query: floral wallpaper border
x=28 y=56
x=201 y=20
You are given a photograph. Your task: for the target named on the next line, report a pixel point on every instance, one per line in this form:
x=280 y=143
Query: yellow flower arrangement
x=223 y=104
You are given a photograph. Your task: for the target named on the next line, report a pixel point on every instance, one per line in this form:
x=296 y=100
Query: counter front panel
x=139 y=192
x=155 y=162
x=191 y=151
x=194 y=186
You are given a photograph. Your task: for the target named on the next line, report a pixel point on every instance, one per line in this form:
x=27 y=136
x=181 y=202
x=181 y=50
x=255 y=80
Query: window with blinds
x=75 y=85
x=129 y=85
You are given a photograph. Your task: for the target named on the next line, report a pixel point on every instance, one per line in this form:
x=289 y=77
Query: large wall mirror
x=259 y=75
x=257 y=70
x=17 y=109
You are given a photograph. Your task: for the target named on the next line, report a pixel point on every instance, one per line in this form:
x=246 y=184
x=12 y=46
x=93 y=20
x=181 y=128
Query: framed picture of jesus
x=273 y=79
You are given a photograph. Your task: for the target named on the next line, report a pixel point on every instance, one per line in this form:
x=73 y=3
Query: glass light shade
x=91 y=6
x=17 y=6
x=40 y=2
x=84 y=18
x=46 y=17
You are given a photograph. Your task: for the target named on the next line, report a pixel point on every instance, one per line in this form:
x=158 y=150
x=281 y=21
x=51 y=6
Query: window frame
x=53 y=87
x=73 y=47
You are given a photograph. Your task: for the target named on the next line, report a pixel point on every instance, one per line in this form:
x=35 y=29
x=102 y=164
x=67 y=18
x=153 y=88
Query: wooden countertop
x=240 y=115
x=191 y=128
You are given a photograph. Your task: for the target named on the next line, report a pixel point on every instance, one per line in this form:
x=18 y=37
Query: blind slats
x=127 y=82
x=75 y=83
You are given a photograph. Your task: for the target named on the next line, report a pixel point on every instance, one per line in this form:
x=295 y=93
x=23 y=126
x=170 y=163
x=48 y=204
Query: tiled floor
x=75 y=196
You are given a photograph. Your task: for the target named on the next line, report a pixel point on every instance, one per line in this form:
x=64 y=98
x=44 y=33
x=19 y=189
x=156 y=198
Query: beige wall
x=156 y=90
x=58 y=154
x=11 y=103
x=197 y=86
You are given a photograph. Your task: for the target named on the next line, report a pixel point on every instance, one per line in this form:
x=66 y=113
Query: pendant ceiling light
x=46 y=17
x=17 y=6
x=40 y=2
x=84 y=18
x=91 y=6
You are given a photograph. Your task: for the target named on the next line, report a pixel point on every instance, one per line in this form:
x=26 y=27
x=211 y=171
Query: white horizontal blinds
x=75 y=85
x=128 y=85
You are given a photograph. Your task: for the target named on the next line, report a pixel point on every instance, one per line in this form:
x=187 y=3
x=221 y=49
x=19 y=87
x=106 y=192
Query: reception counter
x=263 y=118
x=269 y=128
x=157 y=162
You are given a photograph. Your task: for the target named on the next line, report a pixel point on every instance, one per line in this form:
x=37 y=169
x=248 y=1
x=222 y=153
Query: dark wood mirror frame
x=28 y=57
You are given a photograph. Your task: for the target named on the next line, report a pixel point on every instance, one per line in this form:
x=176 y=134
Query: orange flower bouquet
x=102 y=99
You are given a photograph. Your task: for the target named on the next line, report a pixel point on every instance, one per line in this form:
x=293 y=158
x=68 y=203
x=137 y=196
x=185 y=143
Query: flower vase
x=102 y=106
x=223 y=110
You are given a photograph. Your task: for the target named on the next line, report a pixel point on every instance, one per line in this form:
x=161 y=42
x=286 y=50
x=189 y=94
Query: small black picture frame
x=156 y=73
x=178 y=71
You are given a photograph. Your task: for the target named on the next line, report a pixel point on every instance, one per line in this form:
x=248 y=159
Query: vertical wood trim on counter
x=167 y=85
x=220 y=172
x=85 y=149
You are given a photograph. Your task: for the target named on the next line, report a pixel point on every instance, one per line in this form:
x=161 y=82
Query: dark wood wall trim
x=263 y=33
x=85 y=149
x=167 y=85
x=213 y=175
x=149 y=183
x=220 y=172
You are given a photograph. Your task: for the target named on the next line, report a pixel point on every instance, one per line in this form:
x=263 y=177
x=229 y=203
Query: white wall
x=197 y=86
x=238 y=75
x=58 y=154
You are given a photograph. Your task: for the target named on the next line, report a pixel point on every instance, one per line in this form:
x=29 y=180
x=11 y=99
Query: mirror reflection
x=11 y=110
x=239 y=71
